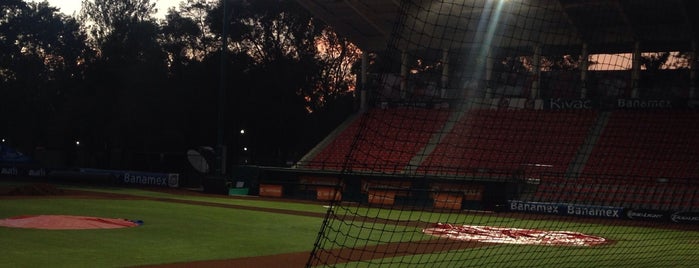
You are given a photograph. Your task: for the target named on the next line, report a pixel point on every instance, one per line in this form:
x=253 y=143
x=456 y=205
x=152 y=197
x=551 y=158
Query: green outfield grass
x=177 y=232
x=632 y=246
x=171 y=233
x=665 y=249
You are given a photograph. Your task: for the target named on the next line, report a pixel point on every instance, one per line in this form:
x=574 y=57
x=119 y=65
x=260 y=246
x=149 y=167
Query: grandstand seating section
x=529 y=141
x=662 y=143
x=386 y=143
x=533 y=141
x=636 y=193
x=641 y=159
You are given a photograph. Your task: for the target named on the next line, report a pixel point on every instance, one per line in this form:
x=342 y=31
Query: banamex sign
x=683 y=217
x=147 y=178
x=566 y=209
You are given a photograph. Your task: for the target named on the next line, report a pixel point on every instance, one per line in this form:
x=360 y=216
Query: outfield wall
x=487 y=194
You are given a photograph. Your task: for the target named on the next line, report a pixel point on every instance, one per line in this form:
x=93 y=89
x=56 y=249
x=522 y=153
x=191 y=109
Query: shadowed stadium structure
x=558 y=110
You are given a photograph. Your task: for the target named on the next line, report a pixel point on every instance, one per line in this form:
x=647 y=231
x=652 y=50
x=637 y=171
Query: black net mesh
x=521 y=133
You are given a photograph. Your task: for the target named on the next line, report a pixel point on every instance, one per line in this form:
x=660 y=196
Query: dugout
x=478 y=192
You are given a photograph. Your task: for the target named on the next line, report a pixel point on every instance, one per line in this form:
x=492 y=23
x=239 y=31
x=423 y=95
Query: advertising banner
x=9 y=170
x=573 y=104
x=685 y=217
x=647 y=215
x=155 y=179
x=139 y=177
x=647 y=104
x=471 y=192
x=566 y=209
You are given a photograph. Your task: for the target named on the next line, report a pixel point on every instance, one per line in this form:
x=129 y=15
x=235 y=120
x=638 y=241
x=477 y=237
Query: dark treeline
x=136 y=91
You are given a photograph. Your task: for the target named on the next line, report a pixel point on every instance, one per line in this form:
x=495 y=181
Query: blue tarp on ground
x=10 y=155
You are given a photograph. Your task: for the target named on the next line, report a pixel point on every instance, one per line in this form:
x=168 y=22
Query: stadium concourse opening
x=565 y=115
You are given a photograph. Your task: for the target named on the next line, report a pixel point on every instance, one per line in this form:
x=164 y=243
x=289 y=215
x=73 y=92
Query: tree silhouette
x=130 y=87
x=126 y=78
x=654 y=61
x=39 y=67
x=286 y=78
x=102 y=17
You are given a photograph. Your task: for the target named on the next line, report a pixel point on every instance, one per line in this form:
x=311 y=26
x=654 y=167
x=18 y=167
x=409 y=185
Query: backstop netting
x=521 y=133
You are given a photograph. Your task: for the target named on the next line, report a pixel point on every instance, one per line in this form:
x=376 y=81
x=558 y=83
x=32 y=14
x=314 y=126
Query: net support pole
x=403 y=74
x=489 y=62
x=445 y=72
x=220 y=123
x=694 y=64
x=363 y=84
x=635 y=69
x=536 y=72
x=584 y=63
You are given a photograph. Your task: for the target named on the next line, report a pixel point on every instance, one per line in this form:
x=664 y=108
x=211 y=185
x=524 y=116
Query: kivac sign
x=563 y=104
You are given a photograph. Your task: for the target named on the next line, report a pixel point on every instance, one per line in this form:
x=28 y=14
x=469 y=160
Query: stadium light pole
x=220 y=144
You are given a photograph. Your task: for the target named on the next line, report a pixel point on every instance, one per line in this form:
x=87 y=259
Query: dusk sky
x=70 y=6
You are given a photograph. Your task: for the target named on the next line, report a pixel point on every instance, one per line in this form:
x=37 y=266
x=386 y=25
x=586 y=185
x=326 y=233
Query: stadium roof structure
x=368 y=23
x=606 y=26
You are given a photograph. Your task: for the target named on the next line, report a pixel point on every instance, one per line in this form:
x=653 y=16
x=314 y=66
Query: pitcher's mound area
x=66 y=222
x=488 y=234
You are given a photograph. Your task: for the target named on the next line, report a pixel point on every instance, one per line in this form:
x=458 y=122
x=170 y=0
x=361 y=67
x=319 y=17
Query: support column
x=536 y=73
x=693 y=66
x=403 y=74
x=220 y=166
x=489 y=62
x=635 y=69
x=363 y=82
x=584 y=65
x=445 y=73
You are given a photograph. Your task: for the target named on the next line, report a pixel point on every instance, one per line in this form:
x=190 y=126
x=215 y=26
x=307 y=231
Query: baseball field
x=184 y=228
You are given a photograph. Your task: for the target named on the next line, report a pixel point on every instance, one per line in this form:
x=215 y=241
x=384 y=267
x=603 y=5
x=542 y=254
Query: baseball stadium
x=489 y=133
